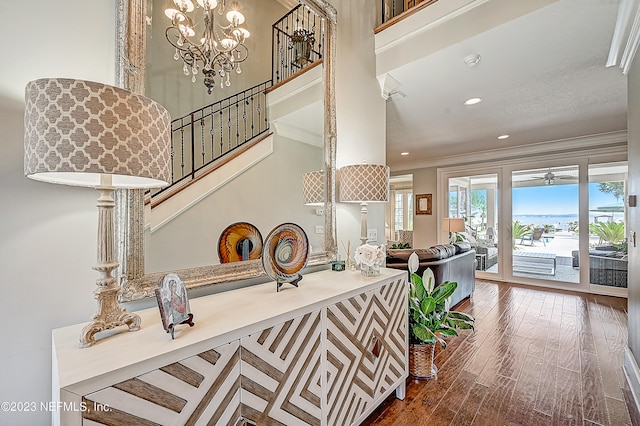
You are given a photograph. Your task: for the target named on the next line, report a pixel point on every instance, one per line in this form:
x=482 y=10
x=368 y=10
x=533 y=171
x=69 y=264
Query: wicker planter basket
x=421 y=364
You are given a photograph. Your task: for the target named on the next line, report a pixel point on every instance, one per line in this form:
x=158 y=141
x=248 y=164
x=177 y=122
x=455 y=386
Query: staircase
x=212 y=145
x=207 y=136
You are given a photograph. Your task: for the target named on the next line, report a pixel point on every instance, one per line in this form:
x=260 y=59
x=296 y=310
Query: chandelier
x=220 y=48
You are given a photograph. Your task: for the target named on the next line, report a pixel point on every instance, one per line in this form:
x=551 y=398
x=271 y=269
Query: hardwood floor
x=537 y=357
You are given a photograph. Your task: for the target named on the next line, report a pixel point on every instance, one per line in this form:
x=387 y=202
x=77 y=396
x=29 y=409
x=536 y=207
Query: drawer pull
x=375 y=346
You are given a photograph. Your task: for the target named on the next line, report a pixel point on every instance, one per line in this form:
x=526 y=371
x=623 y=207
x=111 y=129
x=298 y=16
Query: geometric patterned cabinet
x=281 y=373
x=269 y=377
x=366 y=351
x=326 y=353
x=201 y=387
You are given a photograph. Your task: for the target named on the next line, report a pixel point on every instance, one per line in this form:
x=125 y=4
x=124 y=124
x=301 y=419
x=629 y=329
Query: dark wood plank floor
x=537 y=357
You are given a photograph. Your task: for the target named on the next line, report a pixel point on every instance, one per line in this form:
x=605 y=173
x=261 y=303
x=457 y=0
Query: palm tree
x=519 y=231
x=610 y=232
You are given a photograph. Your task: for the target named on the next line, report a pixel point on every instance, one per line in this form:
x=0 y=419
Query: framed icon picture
x=173 y=303
x=423 y=204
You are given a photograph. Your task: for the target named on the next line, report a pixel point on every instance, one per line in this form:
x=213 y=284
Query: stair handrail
x=224 y=126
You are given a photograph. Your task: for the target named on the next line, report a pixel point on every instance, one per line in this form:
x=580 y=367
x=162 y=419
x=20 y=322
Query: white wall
x=265 y=195
x=48 y=241
x=633 y=224
x=425 y=227
x=48 y=232
x=361 y=111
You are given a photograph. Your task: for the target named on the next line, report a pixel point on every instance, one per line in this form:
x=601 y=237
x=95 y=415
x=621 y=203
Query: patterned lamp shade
x=76 y=131
x=313 y=188
x=364 y=183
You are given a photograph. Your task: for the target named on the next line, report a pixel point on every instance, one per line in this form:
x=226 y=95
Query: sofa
x=449 y=262
x=607 y=266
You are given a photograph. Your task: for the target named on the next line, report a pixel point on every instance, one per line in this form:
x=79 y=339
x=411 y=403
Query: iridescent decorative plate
x=286 y=251
x=239 y=241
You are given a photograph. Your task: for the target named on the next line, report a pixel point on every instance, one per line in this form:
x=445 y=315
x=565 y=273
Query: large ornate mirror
x=131 y=52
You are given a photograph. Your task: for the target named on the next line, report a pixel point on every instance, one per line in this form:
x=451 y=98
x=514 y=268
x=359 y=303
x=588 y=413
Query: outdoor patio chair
x=536 y=235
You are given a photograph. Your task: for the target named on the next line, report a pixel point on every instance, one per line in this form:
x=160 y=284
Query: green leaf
x=446 y=331
x=423 y=334
x=462 y=325
x=444 y=291
x=417 y=287
x=428 y=305
x=461 y=316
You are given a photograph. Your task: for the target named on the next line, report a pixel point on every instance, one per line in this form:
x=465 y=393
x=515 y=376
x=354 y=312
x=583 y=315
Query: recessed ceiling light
x=404 y=153
x=503 y=137
x=473 y=101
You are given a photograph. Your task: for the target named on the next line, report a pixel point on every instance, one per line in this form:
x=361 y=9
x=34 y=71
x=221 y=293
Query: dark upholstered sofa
x=449 y=262
x=607 y=266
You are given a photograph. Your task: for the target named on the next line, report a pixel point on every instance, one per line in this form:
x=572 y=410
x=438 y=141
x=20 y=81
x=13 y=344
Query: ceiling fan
x=551 y=178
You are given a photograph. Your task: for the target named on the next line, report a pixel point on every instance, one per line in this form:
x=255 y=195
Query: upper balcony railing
x=394 y=10
x=297 y=41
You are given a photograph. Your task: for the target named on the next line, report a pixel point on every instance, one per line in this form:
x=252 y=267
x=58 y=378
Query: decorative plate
x=286 y=252
x=239 y=238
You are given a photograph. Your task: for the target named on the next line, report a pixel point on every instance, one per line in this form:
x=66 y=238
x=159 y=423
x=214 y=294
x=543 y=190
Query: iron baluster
x=193 y=149
x=182 y=152
x=204 y=161
x=212 y=133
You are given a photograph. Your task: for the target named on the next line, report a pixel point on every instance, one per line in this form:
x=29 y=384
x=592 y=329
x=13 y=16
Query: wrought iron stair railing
x=204 y=136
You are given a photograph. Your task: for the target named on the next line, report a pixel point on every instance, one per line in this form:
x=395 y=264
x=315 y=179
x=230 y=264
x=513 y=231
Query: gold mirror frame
x=130 y=67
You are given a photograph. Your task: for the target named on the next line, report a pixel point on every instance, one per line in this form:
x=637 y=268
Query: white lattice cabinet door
x=201 y=390
x=366 y=351
x=281 y=373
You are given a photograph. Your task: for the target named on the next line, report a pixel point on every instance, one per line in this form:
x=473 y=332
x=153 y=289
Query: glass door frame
x=442 y=210
x=504 y=170
x=583 y=217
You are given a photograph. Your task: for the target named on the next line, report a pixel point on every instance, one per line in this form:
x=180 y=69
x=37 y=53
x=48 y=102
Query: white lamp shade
x=364 y=183
x=76 y=131
x=313 y=188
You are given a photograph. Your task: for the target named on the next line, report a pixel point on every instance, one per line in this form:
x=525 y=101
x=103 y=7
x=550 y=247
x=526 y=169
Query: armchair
x=485 y=248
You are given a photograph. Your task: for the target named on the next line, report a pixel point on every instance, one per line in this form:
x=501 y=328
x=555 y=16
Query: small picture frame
x=423 y=203
x=173 y=303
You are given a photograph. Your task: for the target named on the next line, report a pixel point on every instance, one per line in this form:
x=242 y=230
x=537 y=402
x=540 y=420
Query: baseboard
x=632 y=375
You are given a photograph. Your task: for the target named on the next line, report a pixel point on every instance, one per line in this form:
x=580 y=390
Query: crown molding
x=606 y=143
x=388 y=86
x=288 y=4
x=298 y=134
x=626 y=35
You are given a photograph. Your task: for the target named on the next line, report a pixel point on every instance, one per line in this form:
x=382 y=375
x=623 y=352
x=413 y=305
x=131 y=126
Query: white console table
x=326 y=353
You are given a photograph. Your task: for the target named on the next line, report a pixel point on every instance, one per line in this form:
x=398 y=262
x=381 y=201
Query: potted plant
x=430 y=319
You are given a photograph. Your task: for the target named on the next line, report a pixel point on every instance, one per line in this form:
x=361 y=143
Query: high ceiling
x=542 y=77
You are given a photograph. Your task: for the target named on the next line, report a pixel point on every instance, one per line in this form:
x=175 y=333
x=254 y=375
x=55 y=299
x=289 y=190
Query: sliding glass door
x=545 y=213
x=475 y=199
x=607 y=256
x=559 y=225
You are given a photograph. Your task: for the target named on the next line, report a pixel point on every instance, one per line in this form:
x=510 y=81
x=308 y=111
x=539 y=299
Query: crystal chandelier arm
x=221 y=48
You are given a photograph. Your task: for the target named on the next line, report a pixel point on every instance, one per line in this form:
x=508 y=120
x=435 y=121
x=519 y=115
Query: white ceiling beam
x=626 y=35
